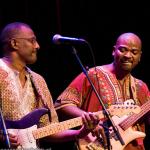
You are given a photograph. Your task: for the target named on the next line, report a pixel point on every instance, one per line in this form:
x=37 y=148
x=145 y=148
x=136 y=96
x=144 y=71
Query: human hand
x=90 y=121
x=100 y=133
x=14 y=143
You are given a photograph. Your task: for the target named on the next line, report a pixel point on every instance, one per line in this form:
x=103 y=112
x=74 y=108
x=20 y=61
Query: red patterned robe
x=81 y=94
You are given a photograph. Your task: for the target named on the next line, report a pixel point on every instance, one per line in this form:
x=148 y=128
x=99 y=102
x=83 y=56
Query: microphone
x=58 y=39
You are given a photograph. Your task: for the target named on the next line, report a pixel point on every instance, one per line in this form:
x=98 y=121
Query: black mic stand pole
x=4 y=130
x=101 y=102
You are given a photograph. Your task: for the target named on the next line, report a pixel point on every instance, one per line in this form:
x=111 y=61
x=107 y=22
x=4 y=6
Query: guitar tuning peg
x=131 y=107
x=126 y=107
x=118 y=103
x=123 y=106
x=119 y=107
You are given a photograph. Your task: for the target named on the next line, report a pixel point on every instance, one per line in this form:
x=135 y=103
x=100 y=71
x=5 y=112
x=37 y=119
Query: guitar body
x=29 y=120
x=128 y=135
x=91 y=143
x=24 y=127
x=25 y=137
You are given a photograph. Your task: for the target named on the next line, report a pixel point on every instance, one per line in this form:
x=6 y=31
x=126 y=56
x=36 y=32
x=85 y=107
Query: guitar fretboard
x=57 y=127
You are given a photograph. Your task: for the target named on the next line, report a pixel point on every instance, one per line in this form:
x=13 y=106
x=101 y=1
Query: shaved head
x=11 y=30
x=133 y=38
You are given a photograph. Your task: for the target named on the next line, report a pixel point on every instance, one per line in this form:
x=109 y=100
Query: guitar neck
x=61 y=126
x=57 y=127
x=131 y=120
x=75 y=122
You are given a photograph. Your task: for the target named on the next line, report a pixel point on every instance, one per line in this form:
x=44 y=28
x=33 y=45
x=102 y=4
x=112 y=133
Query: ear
x=14 y=44
x=114 y=48
x=140 y=56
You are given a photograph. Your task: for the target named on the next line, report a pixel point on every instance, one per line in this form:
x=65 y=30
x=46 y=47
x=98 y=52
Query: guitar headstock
x=124 y=109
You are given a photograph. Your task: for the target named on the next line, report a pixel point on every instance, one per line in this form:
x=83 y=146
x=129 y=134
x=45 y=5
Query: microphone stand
x=101 y=102
x=4 y=130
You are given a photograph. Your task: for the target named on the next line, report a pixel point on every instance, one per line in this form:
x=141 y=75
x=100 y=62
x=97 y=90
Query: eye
x=135 y=52
x=122 y=49
x=33 y=40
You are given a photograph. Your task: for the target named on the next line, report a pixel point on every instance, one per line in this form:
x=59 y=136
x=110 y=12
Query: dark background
x=100 y=23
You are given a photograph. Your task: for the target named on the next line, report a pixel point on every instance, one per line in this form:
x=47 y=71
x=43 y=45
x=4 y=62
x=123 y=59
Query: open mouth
x=126 y=62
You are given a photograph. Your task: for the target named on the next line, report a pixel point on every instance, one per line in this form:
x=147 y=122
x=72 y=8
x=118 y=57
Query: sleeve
x=143 y=92
x=144 y=96
x=72 y=95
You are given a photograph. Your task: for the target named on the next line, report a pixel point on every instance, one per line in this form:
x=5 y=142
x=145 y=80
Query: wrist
x=82 y=132
x=77 y=135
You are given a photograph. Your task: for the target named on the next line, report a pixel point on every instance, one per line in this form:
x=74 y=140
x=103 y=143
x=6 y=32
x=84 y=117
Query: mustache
x=128 y=60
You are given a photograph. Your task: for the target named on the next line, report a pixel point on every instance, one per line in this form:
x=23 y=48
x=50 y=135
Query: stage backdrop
x=97 y=22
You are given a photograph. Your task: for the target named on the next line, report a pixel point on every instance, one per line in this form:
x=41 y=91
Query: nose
x=37 y=46
x=128 y=54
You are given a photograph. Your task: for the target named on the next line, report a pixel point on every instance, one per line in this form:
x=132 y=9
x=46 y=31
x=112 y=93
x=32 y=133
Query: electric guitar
x=27 y=131
x=124 y=125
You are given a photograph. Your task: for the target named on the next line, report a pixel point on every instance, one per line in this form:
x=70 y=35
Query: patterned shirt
x=17 y=101
x=81 y=94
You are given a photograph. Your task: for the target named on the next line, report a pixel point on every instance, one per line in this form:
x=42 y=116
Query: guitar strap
x=54 y=117
x=45 y=98
x=133 y=89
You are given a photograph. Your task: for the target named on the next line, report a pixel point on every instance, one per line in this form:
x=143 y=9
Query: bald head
x=129 y=38
x=12 y=30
